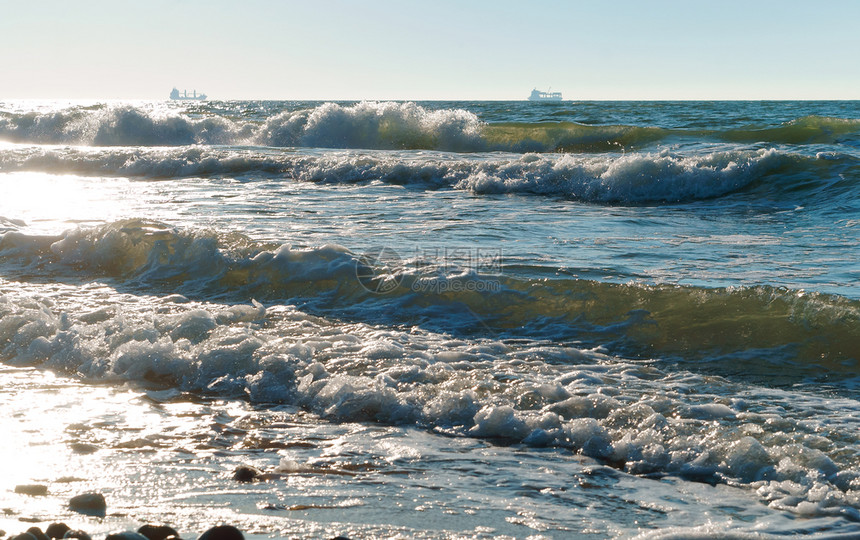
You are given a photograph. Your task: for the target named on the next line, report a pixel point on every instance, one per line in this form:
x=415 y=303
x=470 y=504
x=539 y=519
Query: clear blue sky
x=440 y=49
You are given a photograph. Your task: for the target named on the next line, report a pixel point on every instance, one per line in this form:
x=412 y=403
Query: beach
x=432 y=319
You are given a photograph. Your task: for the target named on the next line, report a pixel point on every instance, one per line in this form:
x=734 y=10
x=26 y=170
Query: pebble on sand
x=37 y=533
x=158 y=532
x=246 y=473
x=125 y=535
x=57 y=530
x=222 y=532
x=91 y=504
x=80 y=535
x=146 y=532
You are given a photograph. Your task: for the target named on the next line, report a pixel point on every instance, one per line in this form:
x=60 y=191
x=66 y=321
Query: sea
x=470 y=319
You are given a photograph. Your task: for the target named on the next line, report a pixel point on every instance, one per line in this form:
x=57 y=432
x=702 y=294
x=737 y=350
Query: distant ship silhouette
x=174 y=94
x=537 y=95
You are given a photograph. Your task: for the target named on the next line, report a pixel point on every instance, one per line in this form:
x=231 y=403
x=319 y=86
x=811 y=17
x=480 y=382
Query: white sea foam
x=597 y=405
x=370 y=125
x=600 y=406
x=173 y=309
x=380 y=125
x=601 y=178
x=201 y=263
x=116 y=126
x=628 y=178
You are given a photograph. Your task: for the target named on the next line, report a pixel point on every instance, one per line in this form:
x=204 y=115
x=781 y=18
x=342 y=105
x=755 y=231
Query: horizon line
x=358 y=100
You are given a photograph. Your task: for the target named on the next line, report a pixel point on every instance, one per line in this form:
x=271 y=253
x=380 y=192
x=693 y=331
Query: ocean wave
x=372 y=125
x=801 y=332
x=635 y=178
x=115 y=126
x=569 y=137
x=806 y=130
x=630 y=178
x=382 y=126
x=796 y=451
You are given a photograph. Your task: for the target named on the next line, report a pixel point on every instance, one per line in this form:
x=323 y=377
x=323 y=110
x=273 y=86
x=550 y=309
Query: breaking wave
x=755 y=386
x=637 y=178
x=385 y=126
x=795 y=450
x=783 y=327
x=381 y=126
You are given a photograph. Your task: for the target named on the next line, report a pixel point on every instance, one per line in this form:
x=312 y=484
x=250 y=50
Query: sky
x=440 y=49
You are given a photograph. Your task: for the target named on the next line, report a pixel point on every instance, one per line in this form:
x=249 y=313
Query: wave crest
x=386 y=126
x=638 y=178
x=383 y=126
x=806 y=130
x=116 y=126
x=629 y=179
x=797 y=450
x=691 y=323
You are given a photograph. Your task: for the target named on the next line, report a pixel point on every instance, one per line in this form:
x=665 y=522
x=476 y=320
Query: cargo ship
x=194 y=96
x=537 y=95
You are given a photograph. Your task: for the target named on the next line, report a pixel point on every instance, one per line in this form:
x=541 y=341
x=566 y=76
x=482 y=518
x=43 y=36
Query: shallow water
x=437 y=319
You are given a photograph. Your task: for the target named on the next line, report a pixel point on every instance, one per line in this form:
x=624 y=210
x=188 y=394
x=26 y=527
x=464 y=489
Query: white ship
x=537 y=95
x=174 y=94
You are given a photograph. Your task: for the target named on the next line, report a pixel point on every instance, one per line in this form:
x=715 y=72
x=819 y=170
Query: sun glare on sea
x=28 y=451
x=52 y=203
